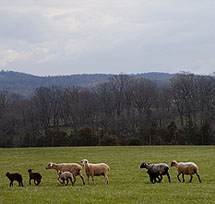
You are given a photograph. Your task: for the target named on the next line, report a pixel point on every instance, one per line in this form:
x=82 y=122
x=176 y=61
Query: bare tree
x=185 y=94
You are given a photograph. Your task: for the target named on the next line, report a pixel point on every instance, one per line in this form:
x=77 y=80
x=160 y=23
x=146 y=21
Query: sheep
x=154 y=176
x=66 y=175
x=36 y=176
x=156 y=171
x=188 y=168
x=95 y=170
x=16 y=177
x=74 y=168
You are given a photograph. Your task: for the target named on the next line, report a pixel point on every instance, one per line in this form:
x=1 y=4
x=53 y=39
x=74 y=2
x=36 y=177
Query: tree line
x=120 y=111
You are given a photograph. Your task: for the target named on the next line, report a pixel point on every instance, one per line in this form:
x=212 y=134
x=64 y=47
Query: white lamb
x=188 y=168
x=65 y=176
x=92 y=170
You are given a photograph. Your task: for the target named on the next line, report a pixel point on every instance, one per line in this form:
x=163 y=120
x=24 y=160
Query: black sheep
x=154 y=176
x=36 y=176
x=15 y=177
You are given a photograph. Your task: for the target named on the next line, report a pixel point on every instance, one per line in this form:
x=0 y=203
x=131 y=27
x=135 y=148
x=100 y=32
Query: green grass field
x=127 y=182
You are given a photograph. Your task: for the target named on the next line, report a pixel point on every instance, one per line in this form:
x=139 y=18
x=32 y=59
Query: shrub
x=136 y=141
x=86 y=137
x=109 y=140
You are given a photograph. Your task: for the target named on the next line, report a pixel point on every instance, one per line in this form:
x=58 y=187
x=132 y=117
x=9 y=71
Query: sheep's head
x=143 y=165
x=173 y=163
x=7 y=174
x=50 y=165
x=30 y=170
x=84 y=162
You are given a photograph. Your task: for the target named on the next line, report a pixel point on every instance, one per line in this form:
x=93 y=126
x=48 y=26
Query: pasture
x=127 y=182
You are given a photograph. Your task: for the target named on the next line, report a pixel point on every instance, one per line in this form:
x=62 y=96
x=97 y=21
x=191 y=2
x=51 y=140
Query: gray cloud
x=129 y=36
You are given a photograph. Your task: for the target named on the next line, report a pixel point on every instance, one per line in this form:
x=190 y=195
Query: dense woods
x=123 y=110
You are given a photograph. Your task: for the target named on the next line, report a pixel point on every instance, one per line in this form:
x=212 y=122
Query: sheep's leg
x=152 y=179
x=82 y=178
x=67 y=181
x=159 y=178
x=29 y=181
x=106 y=179
x=71 y=181
x=88 y=180
x=191 y=177
x=183 y=177
x=11 y=183
x=93 y=180
x=60 y=181
x=178 y=177
x=63 y=182
x=38 y=182
x=74 y=179
x=198 y=177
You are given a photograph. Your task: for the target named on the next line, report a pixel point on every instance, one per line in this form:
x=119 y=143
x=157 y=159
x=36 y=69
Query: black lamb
x=36 y=176
x=15 y=177
x=156 y=171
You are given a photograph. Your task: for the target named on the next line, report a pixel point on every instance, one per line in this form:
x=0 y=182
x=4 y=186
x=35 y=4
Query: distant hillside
x=25 y=84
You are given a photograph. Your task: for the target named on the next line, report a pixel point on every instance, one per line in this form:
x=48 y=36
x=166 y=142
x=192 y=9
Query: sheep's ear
x=51 y=165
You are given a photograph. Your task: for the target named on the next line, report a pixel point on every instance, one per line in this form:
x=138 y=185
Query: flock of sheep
x=66 y=172
x=69 y=171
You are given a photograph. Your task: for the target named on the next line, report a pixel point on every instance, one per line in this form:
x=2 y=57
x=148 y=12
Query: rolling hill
x=25 y=84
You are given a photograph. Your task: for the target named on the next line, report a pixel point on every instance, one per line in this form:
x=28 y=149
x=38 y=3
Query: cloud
x=52 y=36
x=9 y=56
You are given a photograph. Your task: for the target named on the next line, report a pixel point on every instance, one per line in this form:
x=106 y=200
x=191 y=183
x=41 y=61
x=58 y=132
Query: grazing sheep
x=92 y=170
x=156 y=171
x=36 y=176
x=66 y=175
x=188 y=168
x=74 y=168
x=15 y=177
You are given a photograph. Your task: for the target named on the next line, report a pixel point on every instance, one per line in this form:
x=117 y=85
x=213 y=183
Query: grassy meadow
x=127 y=182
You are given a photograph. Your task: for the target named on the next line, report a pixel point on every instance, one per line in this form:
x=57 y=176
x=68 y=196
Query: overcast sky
x=63 y=37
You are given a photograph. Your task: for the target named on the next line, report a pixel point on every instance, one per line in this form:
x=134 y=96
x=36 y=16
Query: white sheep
x=74 y=168
x=156 y=171
x=66 y=175
x=92 y=170
x=188 y=168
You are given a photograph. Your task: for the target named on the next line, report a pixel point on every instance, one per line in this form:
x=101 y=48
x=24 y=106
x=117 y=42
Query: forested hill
x=25 y=84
